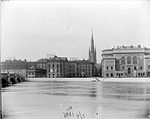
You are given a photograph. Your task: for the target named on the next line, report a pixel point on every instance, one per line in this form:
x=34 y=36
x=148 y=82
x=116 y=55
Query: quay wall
x=94 y=79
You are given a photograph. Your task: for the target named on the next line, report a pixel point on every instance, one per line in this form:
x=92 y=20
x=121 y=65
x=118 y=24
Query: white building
x=126 y=61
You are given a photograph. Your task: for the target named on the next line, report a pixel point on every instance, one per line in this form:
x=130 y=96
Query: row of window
x=141 y=74
x=135 y=67
x=53 y=66
x=111 y=75
x=109 y=67
x=55 y=70
x=31 y=73
x=53 y=75
x=85 y=66
x=121 y=74
x=123 y=60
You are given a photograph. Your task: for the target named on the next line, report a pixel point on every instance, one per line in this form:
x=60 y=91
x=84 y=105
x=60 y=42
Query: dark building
x=73 y=69
x=85 y=68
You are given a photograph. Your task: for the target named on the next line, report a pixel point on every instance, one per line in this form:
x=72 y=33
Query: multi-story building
x=57 y=67
x=126 y=61
x=31 y=73
x=42 y=63
x=85 y=68
x=73 y=69
x=15 y=66
x=61 y=67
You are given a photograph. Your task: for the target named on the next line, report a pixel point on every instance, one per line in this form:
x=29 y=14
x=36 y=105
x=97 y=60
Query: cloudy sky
x=32 y=29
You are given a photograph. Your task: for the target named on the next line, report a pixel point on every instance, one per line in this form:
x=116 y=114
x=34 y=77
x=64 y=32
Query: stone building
x=41 y=63
x=15 y=66
x=73 y=69
x=85 y=68
x=126 y=61
x=57 y=67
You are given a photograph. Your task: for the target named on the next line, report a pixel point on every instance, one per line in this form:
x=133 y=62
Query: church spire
x=92 y=50
x=92 y=42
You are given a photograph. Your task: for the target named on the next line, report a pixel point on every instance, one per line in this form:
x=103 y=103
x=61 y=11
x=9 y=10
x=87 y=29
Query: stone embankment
x=93 y=79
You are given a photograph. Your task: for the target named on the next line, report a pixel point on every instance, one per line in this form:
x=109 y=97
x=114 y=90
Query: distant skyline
x=32 y=29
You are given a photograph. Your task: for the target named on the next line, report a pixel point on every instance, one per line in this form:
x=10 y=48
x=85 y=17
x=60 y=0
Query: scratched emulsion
x=76 y=100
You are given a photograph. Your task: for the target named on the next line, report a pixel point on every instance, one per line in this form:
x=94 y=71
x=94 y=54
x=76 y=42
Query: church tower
x=92 y=51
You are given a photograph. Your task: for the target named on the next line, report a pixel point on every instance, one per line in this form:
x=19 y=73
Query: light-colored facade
x=126 y=61
x=31 y=73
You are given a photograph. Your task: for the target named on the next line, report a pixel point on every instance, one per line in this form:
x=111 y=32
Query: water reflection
x=96 y=100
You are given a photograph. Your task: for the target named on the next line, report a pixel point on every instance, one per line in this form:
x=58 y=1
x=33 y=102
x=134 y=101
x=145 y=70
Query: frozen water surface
x=76 y=100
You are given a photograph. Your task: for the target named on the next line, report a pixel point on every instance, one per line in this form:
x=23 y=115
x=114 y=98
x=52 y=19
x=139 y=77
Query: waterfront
x=76 y=100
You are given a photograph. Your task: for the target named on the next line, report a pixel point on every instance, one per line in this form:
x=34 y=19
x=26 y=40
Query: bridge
x=8 y=79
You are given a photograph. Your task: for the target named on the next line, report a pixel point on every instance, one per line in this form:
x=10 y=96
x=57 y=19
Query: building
x=73 y=69
x=92 y=51
x=31 y=73
x=126 y=61
x=15 y=66
x=85 y=68
x=36 y=73
x=57 y=67
x=42 y=63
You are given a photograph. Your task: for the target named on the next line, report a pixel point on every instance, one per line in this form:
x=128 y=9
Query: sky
x=32 y=29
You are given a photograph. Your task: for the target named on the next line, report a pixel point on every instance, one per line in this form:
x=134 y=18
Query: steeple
x=92 y=42
x=92 y=51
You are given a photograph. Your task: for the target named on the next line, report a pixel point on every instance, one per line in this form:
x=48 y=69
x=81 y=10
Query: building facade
x=126 y=61
x=57 y=67
x=15 y=66
x=85 y=68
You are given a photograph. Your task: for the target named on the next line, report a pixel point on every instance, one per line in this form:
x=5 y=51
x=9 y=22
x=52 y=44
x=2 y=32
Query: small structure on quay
x=126 y=61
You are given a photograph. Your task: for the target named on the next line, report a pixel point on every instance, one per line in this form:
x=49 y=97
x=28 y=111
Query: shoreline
x=93 y=79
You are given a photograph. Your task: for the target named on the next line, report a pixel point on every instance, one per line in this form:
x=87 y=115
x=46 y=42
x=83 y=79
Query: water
x=76 y=100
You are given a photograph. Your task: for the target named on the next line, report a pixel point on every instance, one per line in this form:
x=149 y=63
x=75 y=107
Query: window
x=123 y=60
x=129 y=60
x=135 y=68
x=107 y=67
x=123 y=68
x=141 y=67
x=111 y=74
x=134 y=60
x=148 y=66
x=53 y=65
x=111 y=67
x=107 y=75
x=60 y=65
